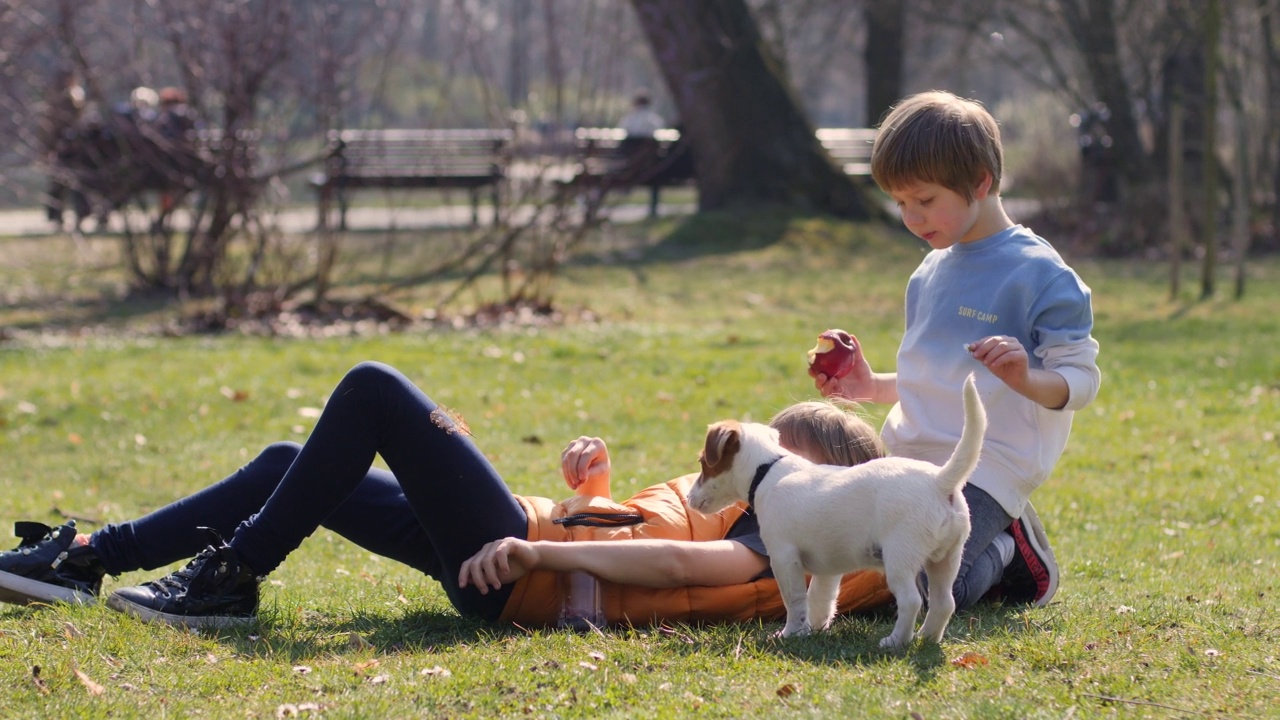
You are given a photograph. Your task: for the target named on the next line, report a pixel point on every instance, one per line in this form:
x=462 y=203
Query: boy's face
x=937 y=215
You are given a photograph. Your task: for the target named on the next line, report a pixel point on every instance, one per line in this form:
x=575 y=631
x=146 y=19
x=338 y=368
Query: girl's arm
x=651 y=563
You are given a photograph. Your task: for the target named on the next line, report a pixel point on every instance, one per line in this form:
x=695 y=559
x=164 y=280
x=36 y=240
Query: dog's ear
x=722 y=443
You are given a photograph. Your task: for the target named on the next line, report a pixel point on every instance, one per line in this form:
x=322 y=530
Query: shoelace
x=184 y=577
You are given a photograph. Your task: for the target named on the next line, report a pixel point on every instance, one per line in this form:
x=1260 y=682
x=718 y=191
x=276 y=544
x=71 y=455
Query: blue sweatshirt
x=1011 y=283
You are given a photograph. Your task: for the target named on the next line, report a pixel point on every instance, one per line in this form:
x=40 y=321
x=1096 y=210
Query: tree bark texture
x=886 y=22
x=752 y=142
x=1093 y=26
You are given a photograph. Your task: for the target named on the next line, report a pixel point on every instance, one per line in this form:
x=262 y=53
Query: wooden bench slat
x=413 y=158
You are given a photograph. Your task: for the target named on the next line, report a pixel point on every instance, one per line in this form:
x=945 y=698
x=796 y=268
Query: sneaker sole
x=1048 y=562
x=193 y=622
x=19 y=590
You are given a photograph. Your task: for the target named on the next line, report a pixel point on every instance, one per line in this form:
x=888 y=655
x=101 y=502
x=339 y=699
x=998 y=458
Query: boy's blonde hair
x=937 y=137
x=829 y=428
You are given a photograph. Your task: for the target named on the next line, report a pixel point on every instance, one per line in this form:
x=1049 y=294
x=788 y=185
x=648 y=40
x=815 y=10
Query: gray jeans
x=981 y=566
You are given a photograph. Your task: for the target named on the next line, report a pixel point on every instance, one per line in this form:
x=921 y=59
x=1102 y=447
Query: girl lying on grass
x=443 y=509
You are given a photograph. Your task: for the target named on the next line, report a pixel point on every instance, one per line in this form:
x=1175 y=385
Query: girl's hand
x=585 y=466
x=498 y=563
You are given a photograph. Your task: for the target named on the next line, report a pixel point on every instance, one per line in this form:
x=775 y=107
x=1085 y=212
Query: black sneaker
x=47 y=566
x=1032 y=575
x=214 y=590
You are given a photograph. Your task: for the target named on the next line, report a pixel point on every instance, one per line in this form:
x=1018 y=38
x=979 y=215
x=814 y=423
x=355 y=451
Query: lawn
x=1165 y=511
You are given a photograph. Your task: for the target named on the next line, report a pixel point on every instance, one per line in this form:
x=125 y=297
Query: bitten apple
x=833 y=355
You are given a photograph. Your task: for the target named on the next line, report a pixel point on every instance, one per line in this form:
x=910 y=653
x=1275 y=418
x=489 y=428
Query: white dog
x=894 y=514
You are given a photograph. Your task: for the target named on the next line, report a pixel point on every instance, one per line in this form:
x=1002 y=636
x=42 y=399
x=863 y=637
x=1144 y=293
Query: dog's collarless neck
x=755 y=481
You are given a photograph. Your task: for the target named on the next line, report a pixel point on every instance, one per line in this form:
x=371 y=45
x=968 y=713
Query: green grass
x=1165 y=510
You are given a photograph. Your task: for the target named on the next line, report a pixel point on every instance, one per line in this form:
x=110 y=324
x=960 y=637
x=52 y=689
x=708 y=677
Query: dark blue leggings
x=441 y=502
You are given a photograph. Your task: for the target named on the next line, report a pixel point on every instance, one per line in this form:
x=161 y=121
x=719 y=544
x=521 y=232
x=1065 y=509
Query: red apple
x=833 y=355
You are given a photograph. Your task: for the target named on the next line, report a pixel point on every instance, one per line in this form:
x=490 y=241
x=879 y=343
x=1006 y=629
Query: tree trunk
x=1093 y=25
x=752 y=142
x=886 y=20
x=1270 y=157
x=1177 y=219
x=1212 y=28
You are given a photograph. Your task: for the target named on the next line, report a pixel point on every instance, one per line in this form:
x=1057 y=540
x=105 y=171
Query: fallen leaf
x=1212 y=652
x=234 y=395
x=787 y=690
x=970 y=660
x=436 y=671
x=361 y=667
x=302 y=669
x=74 y=438
x=588 y=666
x=379 y=679
x=598 y=656
x=310 y=413
x=71 y=631
x=93 y=687
x=35 y=678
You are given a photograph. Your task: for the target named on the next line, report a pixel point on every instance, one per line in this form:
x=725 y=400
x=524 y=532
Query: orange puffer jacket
x=664 y=514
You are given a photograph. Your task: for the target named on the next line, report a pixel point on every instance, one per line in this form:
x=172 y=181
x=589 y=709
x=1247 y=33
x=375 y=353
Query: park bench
x=411 y=158
x=850 y=148
x=604 y=162
x=607 y=160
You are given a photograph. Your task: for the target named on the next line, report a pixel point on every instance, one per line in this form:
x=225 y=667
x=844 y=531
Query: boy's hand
x=586 y=460
x=857 y=385
x=1006 y=359
x=498 y=563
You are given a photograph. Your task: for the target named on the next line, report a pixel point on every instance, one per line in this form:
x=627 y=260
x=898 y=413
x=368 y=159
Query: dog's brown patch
x=722 y=445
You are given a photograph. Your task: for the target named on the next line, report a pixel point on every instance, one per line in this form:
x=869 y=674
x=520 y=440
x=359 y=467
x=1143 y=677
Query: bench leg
x=342 y=211
x=324 y=200
x=496 y=195
x=653 y=199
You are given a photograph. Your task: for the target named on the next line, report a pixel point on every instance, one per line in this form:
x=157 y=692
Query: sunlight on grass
x=1165 y=511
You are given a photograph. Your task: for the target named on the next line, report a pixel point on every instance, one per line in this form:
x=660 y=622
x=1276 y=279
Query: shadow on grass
x=854 y=640
x=305 y=635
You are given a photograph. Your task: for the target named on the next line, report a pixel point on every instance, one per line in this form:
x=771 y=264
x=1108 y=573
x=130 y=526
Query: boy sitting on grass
x=991 y=293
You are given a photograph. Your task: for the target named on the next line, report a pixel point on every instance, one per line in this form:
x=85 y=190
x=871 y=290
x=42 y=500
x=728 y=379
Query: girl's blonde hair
x=937 y=137
x=832 y=428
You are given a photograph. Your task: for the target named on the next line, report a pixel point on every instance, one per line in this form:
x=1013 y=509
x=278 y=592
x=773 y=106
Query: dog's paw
x=893 y=642
x=794 y=631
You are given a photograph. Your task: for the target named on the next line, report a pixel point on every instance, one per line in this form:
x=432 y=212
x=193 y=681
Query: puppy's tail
x=965 y=457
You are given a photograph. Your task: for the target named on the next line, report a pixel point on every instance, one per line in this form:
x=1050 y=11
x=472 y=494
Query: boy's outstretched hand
x=1007 y=359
